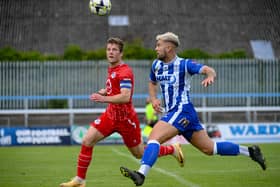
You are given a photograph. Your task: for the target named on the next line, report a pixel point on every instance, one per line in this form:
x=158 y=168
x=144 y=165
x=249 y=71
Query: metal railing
x=25 y=87
x=60 y=78
x=204 y=109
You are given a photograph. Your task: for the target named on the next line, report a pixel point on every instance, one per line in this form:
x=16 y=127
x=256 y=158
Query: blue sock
x=151 y=153
x=227 y=148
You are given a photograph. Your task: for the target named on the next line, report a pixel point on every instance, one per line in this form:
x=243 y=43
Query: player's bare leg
x=202 y=141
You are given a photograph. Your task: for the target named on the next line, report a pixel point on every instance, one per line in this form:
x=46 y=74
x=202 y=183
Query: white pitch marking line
x=160 y=170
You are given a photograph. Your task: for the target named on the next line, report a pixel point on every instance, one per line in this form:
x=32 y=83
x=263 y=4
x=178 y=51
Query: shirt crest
x=113 y=75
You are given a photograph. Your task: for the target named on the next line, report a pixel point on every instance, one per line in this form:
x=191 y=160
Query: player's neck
x=115 y=64
x=170 y=58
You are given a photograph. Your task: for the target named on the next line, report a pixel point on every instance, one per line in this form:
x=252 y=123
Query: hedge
x=133 y=50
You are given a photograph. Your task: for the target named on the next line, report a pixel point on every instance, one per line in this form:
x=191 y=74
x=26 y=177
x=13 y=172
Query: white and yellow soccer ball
x=100 y=7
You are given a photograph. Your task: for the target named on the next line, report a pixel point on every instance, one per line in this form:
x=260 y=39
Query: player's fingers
x=204 y=83
x=207 y=82
x=158 y=110
x=93 y=97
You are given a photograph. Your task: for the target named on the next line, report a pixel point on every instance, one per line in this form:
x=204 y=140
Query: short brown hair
x=118 y=41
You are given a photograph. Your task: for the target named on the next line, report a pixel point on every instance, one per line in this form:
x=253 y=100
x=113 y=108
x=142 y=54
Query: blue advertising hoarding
x=235 y=132
x=250 y=132
x=35 y=136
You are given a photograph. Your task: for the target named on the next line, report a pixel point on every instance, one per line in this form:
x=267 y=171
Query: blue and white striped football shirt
x=175 y=80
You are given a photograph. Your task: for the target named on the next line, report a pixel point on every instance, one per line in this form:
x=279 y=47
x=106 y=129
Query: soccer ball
x=100 y=7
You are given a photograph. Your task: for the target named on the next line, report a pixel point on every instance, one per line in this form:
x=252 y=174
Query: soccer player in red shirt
x=119 y=116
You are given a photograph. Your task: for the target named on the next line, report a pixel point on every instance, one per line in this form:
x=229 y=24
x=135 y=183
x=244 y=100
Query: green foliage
x=73 y=52
x=57 y=103
x=98 y=54
x=237 y=54
x=199 y=54
x=52 y=57
x=31 y=56
x=9 y=54
x=194 y=54
x=133 y=50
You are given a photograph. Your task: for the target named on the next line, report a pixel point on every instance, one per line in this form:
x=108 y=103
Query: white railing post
x=25 y=102
x=248 y=113
x=255 y=116
x=209 y=118
x=204 y=117
x=71 y=114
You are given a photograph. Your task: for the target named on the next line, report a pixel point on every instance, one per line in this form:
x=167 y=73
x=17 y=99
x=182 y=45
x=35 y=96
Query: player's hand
x=210 y=75
x=157 y=105
x=207 y=81
x=102 y=92
x=97 y=98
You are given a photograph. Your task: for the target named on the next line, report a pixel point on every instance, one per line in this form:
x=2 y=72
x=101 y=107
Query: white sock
x=244 y=150
x=79 y=179
x=144 y=169
x=215 y=148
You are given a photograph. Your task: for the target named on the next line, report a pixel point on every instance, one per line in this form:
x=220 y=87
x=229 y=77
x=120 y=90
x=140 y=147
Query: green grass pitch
x=50 y=165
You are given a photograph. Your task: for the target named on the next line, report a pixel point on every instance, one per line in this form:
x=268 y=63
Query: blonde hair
x=169 y=37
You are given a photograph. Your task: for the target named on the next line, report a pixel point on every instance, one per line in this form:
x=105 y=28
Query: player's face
x=114 y=56
x=161 y=49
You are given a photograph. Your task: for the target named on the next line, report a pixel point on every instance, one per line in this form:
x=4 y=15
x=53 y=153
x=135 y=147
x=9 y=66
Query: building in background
x=215 y=27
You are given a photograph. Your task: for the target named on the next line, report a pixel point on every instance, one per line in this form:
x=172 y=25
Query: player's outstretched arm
x=210 y=75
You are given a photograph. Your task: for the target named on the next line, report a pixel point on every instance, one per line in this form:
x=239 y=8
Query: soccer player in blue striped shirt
x=174 y=77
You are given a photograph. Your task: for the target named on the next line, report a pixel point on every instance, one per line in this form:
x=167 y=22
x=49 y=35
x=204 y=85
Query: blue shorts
x=185 y=119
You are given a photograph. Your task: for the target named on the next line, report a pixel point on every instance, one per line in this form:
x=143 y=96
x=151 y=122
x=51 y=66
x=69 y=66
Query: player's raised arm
x=210 y=75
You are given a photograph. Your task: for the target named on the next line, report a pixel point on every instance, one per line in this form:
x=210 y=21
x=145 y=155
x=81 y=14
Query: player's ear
x=169 y=48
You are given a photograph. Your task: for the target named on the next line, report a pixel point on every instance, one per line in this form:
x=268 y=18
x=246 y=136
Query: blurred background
x=216 y=27
x=52 y=58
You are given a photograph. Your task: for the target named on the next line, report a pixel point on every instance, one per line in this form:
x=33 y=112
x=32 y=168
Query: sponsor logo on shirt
x=166 y=79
